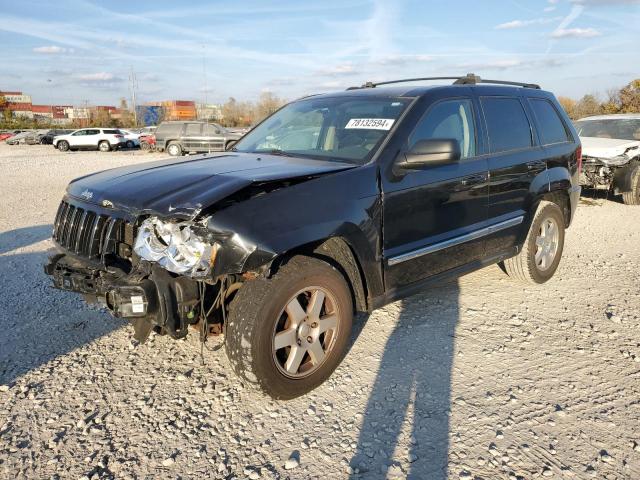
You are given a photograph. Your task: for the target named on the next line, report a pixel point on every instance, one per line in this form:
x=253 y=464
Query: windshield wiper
x=275 y=151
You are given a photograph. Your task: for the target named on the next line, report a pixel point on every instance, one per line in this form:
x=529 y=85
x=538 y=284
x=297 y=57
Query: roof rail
x=468 y=79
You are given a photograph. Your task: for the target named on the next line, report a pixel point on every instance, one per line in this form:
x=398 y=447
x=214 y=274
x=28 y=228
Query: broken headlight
x=175 y=246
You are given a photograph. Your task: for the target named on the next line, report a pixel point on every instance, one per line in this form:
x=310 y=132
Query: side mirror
x=430 y=152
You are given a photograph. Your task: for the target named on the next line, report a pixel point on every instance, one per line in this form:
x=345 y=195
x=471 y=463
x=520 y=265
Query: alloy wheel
x=306 y=332
x=547 y=243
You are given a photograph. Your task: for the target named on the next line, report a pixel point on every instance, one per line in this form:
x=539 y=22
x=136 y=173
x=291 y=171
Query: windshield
x=339 y=128
x=624 y=129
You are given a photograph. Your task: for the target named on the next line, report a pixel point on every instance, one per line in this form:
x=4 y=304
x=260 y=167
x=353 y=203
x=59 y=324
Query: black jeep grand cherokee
x=335 y=204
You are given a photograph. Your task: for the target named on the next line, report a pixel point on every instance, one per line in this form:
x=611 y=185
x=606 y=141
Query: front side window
x=212 y=129
x=450 y=119
x=79 y=133
x=329 y=128
x=507 y=124
x=552 y=128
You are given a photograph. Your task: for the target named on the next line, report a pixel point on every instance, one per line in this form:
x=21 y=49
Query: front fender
x=346 y=204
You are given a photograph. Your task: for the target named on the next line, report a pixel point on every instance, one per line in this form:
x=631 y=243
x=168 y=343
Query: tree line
x=616 y=100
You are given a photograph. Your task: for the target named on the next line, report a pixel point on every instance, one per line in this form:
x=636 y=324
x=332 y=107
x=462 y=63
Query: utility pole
x=133 y=86
x=204 y=73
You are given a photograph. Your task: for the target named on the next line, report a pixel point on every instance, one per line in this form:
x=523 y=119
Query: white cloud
x=525 y=23
x=97 y=77
x=575 y=33
x=52 y=49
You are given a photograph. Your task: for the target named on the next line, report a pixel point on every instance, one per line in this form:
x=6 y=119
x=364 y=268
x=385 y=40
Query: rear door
x=432 y=217
x=516 y=162
x=192 y=137
x=92 y=138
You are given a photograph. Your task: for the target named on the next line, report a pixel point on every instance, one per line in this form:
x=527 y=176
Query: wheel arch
x=339 y=253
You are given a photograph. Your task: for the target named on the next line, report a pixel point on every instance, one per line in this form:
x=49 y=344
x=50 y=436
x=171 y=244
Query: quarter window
x=552 y=129
x=450 y=119
x=507 y=124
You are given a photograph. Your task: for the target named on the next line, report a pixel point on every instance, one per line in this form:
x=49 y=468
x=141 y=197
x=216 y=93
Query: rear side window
x=193 y=129
x=552 y=128
x=507 y=124
x=93 y=132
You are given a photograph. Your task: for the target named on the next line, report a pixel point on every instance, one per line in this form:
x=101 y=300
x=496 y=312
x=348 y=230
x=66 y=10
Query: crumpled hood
x=183 y=187
x=606 y=147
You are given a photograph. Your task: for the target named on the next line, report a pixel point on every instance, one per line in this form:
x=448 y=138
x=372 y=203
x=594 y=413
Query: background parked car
x=148 y=142
x=47 y=138
x=103 y=139
x=181 y=137
x=19 y=138
x=611 y=154
x=6 y=135
x=132 y=138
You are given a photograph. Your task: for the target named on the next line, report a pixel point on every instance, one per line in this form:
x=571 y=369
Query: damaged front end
x=163 y=275
x=602 y=170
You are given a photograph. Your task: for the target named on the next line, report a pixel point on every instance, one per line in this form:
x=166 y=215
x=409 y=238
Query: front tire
x=542 y=250
x=174 y=149
x=63 y=146
x=104 y=146
x=632 y=197
x=287 y=334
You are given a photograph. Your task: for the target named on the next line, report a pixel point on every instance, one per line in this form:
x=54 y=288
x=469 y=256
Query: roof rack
x=468 y=79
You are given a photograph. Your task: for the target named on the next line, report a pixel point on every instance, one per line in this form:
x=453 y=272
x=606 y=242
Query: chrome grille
x=88 y=233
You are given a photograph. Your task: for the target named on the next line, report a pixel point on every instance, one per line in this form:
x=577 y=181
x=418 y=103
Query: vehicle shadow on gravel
x=407 y=414
x=38 y=323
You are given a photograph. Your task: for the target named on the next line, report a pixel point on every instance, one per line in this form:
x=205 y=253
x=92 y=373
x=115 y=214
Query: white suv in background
x=103 y=139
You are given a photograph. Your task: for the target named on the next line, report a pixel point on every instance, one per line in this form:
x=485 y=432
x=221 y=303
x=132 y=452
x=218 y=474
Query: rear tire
x=276 y=341
x=542 y=250
x=633 y=197
x=129 y=144
x=174 y=149
x=63 y=146
x=104 y=146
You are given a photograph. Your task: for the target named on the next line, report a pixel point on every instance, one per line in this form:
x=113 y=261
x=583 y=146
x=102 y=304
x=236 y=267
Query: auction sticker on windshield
x=371 y=123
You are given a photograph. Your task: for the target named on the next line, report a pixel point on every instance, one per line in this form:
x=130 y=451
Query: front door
x=433 y=218
x=213 y=138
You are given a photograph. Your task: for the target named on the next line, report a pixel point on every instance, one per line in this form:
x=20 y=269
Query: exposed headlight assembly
x=174 y=246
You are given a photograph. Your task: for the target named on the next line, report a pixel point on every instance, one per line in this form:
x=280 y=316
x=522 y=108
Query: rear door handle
x=473 y=180
x=538 y=165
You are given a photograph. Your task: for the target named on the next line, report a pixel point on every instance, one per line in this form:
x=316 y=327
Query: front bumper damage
x=148 y=296
x=94 y=256
x=604 y=172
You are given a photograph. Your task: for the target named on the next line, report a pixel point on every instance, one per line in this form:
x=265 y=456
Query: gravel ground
x=478 y=378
